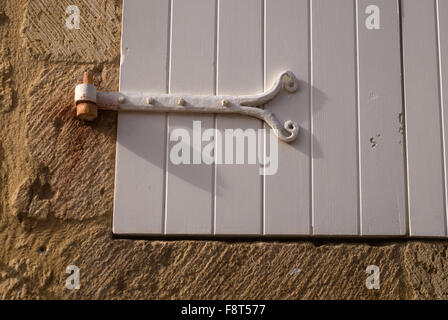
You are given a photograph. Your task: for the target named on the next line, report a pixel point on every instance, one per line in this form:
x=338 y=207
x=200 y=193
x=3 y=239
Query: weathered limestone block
x=79 y=156
x=46 y=35
x=427 y=267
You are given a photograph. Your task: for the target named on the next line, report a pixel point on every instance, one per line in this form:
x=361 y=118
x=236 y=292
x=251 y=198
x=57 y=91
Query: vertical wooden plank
x=190 y=186
x=240 y=71
x=423 y=119
x=287 y=192
x=334 y=112
x=380 y=114
x=443 y=55
x=139 y=194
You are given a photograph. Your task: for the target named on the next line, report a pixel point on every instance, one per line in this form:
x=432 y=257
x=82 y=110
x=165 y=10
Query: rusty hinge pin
x=86 y=109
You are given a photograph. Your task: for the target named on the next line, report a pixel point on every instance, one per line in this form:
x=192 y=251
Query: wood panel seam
x=442 y=119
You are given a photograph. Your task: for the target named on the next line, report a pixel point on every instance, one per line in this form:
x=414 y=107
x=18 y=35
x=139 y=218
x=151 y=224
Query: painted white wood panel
x=238 y=191
x=442 y=10
x=189 y=200
x=345 y=174
x=139 y=178
x=423 y=119
x=334 y=116
x=287 y=192
x=380 y=120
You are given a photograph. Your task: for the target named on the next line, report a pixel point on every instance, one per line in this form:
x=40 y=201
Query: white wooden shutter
x=350 y=172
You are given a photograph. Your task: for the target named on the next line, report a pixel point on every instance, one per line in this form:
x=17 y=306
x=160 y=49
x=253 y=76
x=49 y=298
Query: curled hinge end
x=290 y=83
x=286 y=132
x=291 y=128
x=286 y=81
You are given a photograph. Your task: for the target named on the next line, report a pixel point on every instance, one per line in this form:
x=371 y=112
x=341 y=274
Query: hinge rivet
x=181 y=102
x=149 y=101
x=121 y=99
x=225 y=103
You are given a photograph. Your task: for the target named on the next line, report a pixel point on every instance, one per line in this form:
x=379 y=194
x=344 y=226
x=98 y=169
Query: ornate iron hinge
x=88 y=101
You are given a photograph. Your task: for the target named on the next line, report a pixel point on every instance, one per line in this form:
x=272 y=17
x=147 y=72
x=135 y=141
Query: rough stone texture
x=6 y=93
x=46 y=36
x=426 y=265
x=56 y=191
x=78 y=157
